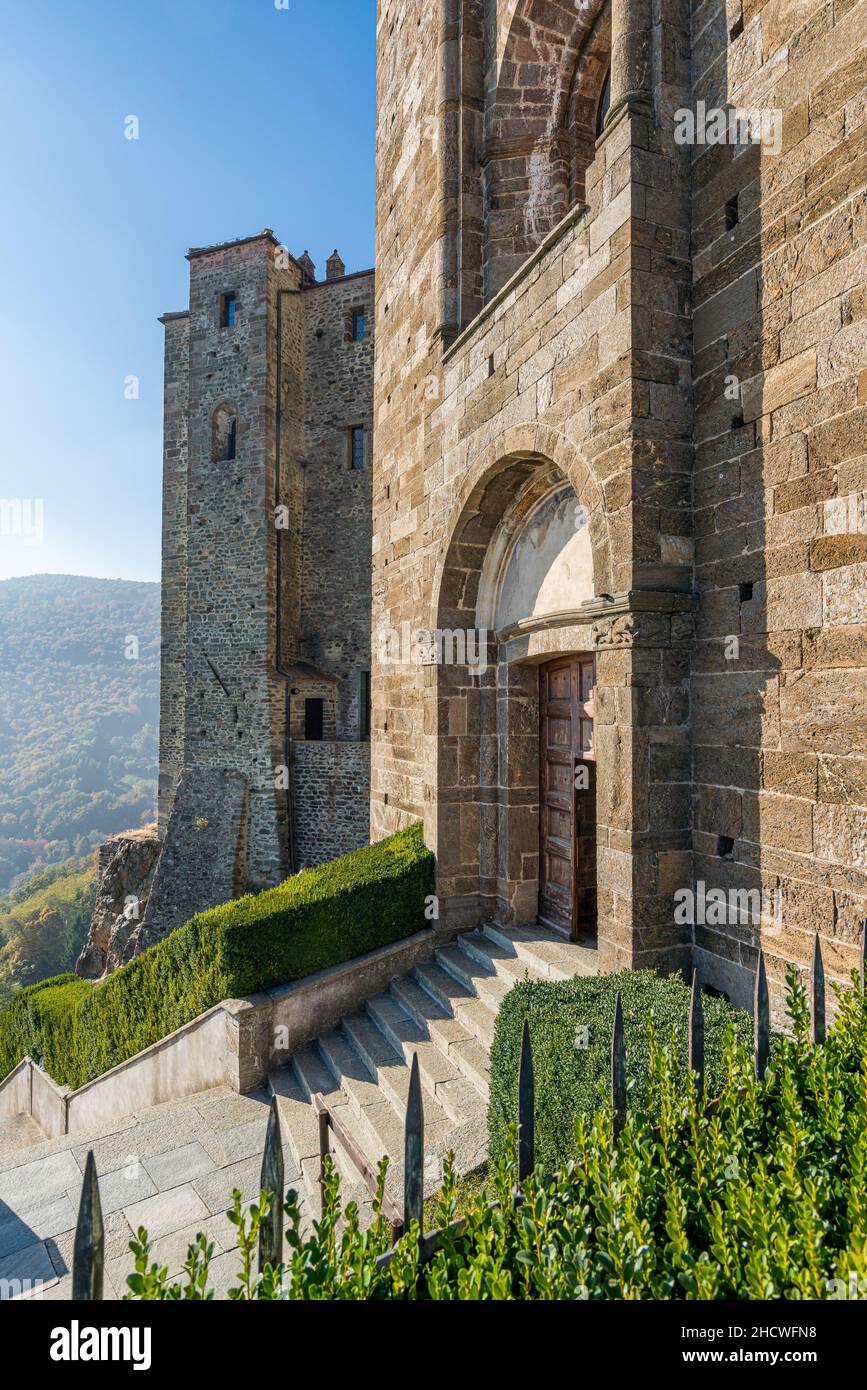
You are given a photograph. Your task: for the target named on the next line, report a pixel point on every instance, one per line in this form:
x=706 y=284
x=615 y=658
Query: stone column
x=631 y=23
x=448 y=168
x=643 y=781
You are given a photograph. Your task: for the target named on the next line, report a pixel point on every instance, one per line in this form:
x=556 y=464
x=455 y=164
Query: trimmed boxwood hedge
x=327 y=915
x=573 y=1080
x=320 y=917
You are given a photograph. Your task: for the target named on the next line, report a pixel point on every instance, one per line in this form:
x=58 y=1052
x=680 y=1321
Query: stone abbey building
x=618 y=481
x=266 y=577
x=621 y=428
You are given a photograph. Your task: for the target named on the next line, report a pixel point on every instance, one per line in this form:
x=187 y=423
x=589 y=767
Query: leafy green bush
x=318 y=918
x=570 y=1031
x=761 y=1196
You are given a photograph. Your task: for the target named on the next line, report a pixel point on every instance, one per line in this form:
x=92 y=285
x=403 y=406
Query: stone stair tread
x=492 y=989
x=376 y=1052
x=440 y=985
x=478 y=1019
x=349 y=1069
x=298 y=1121
x=427 y=1011
x=460 y=1045
x=316 y=1076
x=391 y=1070
x=474 y=1060
x=403 y=1032
x=507 y=969
x=553 y=957
x=466 y=969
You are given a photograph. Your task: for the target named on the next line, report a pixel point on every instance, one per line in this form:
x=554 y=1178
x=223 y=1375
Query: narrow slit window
x=359 y=325
x=314 y=720
x=604 y=104
x=228 y=310
x=732 y=215
x=356 y=454
x=365 y=704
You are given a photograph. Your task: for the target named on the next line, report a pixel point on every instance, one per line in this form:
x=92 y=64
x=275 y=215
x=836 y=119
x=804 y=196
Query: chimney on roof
x=334 y=267
x=308 y=268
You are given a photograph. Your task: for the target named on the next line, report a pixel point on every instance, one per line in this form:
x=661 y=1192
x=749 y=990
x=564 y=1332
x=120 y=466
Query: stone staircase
x=444 y=1011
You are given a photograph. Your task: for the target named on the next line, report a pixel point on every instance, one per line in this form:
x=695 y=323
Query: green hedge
x=320 y=917
x=573 y=1080
x=327 y=915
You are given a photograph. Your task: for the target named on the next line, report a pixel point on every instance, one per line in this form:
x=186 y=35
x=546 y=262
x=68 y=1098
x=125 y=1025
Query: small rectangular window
x=359 y=325
x=364 y=697
x=314 y=720
x=357 y=434
x=228 y=305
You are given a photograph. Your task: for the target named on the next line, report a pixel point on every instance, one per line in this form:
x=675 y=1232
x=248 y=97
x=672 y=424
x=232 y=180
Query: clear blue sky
x=250 y=117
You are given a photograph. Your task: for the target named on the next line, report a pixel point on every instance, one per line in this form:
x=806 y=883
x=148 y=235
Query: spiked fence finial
x=618 y=1067
x=271 y=1180
x=696 y=1033
x=88 y=1257
x=817 y=994
x=761 y=1020
x=526 y=1109
x=413 y=1151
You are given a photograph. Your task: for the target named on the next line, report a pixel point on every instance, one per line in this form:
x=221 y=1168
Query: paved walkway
x=171 y=1169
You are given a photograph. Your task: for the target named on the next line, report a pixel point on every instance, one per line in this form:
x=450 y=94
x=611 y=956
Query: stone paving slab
x=46 y=1177
x=167 y=1211
x=120 y=1189
x=179 y=1165
x=21 y=1227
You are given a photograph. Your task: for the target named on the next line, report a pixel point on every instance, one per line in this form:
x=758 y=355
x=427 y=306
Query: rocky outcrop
x=127 y=864
x=203 y=860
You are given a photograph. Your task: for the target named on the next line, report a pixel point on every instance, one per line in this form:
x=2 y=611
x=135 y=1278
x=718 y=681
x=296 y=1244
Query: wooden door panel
x=567 y=828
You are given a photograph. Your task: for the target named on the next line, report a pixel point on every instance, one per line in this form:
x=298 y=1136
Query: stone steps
x=444 y=1013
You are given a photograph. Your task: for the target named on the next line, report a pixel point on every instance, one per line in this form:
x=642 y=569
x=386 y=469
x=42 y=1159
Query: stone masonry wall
x=780 y=716
x=173 y=594
x=235 y=705
x=548 y=371
x=607 y=354
x=266 y=575
x=332 y=790
x=336 y=543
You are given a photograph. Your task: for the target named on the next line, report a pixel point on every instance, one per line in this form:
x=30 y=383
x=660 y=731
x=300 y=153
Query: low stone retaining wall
x=236 y=1043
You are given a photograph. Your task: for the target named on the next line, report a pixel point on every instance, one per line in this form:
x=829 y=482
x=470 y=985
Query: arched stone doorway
x=514 y=824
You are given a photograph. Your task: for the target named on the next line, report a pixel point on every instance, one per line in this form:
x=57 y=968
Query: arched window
x=548 y=95
x=224 y=434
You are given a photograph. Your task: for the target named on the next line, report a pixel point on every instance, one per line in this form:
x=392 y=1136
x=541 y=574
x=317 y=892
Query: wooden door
x=567 y=828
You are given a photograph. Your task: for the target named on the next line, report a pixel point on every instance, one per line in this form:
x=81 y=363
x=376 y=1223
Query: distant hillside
x=78 y=719
x=44 y=924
